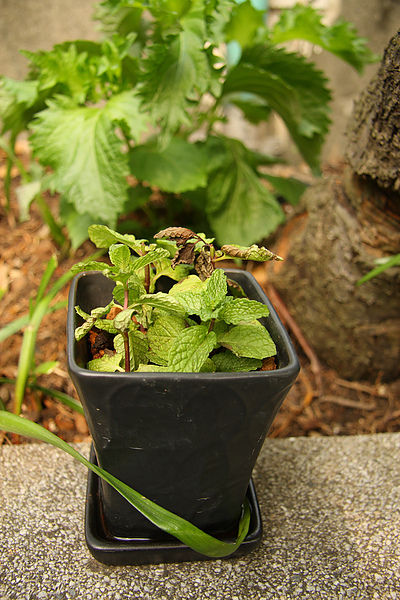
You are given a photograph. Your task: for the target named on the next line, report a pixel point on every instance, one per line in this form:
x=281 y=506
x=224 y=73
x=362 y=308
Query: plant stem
x=147 y=278
x=127 y=356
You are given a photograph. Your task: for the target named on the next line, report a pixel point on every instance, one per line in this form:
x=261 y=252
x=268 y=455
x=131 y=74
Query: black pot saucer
x=138 y=551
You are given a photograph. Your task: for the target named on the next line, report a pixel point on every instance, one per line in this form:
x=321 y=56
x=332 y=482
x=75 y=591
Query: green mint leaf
x=191 y=349
x=149 y=258
x=216 y=288
x=208 y=367
x=103 y=237
x=227 y=362
x=91 y=265
x=120 y=257
x=242 y=309
x=81 y=145
x=107 y=364
x=163 y=302
x=230 y=182
x=123 y=319
x=179 y=167
x=91 y=320
x=161 y=335
x=152 y=369
x=251 y=340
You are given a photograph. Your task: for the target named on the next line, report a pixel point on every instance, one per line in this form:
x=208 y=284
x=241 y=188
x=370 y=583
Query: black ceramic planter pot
x=188 y=441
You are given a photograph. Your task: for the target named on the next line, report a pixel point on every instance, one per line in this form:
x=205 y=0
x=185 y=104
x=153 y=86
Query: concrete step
x=331 y=513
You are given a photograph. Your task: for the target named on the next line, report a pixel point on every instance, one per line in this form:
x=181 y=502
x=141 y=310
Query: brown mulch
x=320 y=403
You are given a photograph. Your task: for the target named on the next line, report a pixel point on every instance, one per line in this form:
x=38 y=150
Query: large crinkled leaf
x=251 y=340
x=292 y=87
x=126 y=108
x=305 y=23
x=177 y=168
x=174 y=72
x=19 y=100
x=239 y=206
x=80 y=144
x=191 y=349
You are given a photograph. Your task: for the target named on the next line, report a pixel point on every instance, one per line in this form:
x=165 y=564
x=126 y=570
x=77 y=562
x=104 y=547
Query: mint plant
x=172 y=67
x=202 y=323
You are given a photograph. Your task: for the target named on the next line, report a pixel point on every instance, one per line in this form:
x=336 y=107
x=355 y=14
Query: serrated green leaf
x=103 y=237
x=107 y=364
x=251 y=340
x=244 y=23
x=179 y=167
x=227 y=362
x=120 y=257
x=305 y=23
x=292 y=87
x=19 y=100
x=216 y=288
x=230 y=217
x=191 y=349
x=90 y=265
x=173 y=72
x=162 y=301
x=123 y=319
x=149 y=258
x=239 y=310
x=161 y=336
x=152 y=369
x=126 y=108
x=80 y=144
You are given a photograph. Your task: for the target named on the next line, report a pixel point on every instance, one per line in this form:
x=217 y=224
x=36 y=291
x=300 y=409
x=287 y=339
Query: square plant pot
x=187 y=441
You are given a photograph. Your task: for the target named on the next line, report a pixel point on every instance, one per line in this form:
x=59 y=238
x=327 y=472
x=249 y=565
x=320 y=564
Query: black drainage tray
x=138 y=551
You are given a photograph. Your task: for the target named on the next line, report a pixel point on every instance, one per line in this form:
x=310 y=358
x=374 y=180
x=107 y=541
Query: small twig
x=347 y=402
x=295 y=329
x=361 y=387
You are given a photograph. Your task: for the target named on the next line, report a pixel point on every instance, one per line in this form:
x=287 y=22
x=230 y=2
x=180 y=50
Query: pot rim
x=283 y=340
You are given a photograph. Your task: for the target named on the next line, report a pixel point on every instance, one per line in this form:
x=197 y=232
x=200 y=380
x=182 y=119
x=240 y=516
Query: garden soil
x=319 y=404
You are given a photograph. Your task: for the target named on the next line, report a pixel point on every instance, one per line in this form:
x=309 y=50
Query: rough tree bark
x=348 y=220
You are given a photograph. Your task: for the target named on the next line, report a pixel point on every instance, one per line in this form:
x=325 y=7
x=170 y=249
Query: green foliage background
x=113 y=121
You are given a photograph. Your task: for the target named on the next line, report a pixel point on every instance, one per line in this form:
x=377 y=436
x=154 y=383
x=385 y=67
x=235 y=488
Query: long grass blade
x=169 y=522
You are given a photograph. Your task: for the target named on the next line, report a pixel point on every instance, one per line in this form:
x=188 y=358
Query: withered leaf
x=204 y=265
x=179 y=234
x=254 y=252
x=185 y=256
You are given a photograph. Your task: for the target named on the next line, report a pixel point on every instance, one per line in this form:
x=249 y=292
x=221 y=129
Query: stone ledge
x=331 y=512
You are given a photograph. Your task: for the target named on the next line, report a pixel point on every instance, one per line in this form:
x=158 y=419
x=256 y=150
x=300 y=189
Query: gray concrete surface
x=331 y=512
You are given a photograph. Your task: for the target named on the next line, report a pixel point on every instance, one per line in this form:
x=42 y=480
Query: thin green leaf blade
x=165 y=520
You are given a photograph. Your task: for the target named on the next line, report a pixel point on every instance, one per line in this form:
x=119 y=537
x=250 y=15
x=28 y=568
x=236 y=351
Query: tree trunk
x=349 y=220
